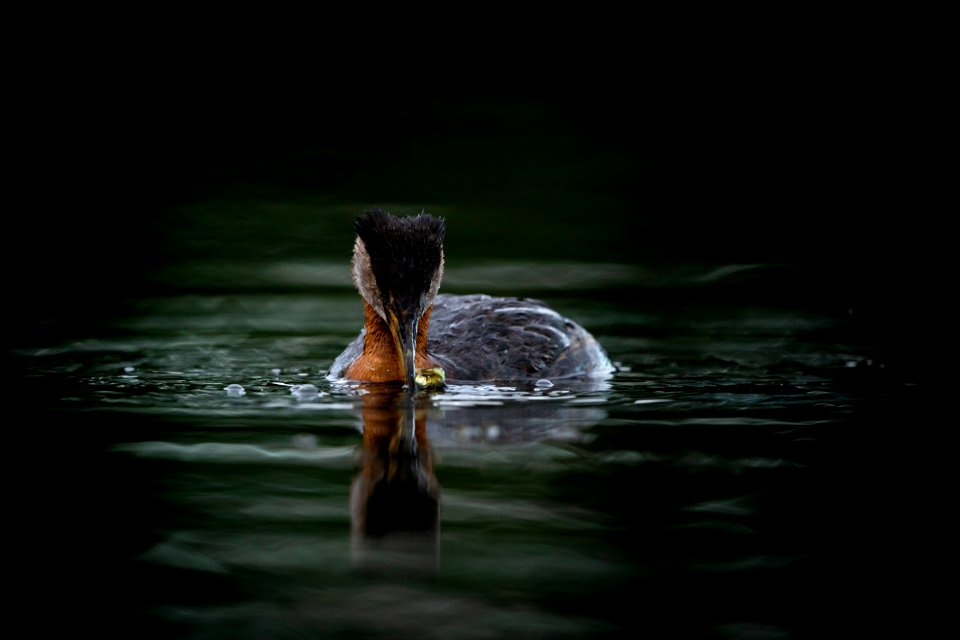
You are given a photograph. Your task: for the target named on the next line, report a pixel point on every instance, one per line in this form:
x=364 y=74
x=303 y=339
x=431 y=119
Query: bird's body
x=478 y=338
x=398 y=264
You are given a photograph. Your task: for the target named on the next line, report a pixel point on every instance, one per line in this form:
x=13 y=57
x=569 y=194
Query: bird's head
x=397 y=267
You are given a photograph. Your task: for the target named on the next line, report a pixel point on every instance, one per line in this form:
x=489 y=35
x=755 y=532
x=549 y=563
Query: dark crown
x=405 y=253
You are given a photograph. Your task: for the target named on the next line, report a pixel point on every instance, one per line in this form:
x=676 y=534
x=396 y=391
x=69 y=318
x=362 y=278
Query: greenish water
x=700 y=481
x=709 y=487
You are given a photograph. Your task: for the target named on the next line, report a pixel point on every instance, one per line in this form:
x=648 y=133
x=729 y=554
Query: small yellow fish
x=430 y=379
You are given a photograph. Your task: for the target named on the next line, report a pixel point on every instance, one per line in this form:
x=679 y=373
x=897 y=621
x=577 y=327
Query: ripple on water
x=230 y=453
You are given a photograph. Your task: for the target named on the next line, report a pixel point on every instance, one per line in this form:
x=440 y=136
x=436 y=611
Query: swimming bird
x=410 y=328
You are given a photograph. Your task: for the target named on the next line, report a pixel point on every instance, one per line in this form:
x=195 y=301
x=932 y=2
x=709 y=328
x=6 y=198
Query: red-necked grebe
x=397 y=267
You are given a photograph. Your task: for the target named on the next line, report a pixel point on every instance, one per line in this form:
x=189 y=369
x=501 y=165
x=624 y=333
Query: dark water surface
x=704 y=489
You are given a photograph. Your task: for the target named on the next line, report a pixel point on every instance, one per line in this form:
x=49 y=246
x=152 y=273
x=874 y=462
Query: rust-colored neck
x=380 y=361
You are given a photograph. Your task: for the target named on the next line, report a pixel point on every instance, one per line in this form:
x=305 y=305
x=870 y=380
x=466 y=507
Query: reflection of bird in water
x=395 y=499
x=397 y=267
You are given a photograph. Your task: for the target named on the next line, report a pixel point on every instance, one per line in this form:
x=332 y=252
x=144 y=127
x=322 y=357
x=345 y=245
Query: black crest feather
x=405 y=253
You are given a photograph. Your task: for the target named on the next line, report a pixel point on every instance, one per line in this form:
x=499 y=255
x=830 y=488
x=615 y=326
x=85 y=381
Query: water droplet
x=128 y=369
x=305 y=392
x=235 y=390
x=543 y=384
x=275 y=371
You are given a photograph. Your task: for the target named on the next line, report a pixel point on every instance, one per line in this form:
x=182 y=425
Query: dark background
x=102 y=172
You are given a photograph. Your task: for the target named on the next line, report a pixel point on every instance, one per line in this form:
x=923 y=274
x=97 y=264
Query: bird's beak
x=403 y=328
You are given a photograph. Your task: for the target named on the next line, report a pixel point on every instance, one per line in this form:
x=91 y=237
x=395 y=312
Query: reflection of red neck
x=380 y=361
x=382 y=422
